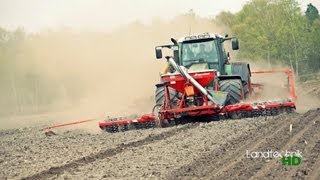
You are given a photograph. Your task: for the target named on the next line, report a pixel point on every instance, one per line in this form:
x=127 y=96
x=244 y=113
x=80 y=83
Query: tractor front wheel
x=160 y=95
x=159 y=122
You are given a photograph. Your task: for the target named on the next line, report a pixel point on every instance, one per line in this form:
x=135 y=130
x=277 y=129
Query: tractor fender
x=224 y=77
x=238 y=69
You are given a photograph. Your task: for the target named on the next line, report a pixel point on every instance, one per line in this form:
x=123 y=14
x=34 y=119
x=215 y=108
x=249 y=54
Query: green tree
x=271 y=30
x=312 y=13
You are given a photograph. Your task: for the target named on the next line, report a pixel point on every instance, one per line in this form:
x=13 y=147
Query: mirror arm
x=227 y=39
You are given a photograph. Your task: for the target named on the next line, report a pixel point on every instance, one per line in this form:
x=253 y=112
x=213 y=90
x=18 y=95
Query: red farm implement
x=197 y=101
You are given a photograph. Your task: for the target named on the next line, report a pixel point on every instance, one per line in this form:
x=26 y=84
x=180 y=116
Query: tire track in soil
x=273 y=166
x=248 y=167
x=312 y=165
x=209 y=165
x=311 y=161
x=58 y=170
x=275 y=169
x=242 y=162
x=315 y=174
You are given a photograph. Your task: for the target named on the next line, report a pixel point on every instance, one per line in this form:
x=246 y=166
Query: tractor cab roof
x=199 y=37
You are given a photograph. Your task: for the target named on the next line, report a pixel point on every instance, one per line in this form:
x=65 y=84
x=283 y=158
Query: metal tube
x=189 y=78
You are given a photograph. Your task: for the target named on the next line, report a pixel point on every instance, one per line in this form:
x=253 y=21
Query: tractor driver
x=203 y=54
x=208 y=54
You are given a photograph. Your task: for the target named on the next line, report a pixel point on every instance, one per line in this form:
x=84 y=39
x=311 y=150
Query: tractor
x=207 y=52
x=200 y=82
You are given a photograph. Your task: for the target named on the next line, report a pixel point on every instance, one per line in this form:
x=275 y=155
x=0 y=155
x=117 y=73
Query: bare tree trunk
x=14 y=90
x=290 y=59
x=35 y=96
x=22 y=99
x=296 y=55
x=269 y=64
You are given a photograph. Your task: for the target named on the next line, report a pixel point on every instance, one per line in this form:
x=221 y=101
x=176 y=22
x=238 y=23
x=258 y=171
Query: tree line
x=277 y=31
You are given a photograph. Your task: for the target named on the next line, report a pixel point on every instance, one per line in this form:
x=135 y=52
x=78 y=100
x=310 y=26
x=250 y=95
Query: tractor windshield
x=204 y=51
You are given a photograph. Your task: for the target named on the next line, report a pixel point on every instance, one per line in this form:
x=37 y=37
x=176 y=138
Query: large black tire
x=160 y=97
x=234 y=89
x=245 y=90
x=160 y=94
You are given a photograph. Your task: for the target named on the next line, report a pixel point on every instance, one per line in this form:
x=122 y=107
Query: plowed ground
x=215 y=150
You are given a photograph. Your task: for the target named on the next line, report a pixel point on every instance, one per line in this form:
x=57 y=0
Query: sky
x=101 y=15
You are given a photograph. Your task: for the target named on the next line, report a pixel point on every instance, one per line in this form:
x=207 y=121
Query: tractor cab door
x=223 y=57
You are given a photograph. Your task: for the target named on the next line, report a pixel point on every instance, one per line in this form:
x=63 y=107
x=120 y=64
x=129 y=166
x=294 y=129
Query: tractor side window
x=187 y=52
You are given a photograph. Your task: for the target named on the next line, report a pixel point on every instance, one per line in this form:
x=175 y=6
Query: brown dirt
x=100 y=63
x=199 y=150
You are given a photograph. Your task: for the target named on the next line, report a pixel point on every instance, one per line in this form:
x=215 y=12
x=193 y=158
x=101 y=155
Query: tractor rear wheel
x=160 y=94
x=234 y=89
x=245 y=90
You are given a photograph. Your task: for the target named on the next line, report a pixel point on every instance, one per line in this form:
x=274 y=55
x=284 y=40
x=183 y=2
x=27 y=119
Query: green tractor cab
x=207 y=51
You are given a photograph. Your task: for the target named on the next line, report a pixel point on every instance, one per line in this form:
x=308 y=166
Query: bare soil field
x=215 y=150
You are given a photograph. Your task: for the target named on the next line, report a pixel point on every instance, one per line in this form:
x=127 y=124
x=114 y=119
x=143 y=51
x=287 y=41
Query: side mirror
x=158 y=53
x=235 y=44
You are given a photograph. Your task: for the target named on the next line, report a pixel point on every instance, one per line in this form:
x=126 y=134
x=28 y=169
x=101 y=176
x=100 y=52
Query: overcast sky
x=100 y=15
